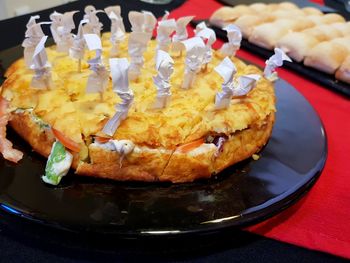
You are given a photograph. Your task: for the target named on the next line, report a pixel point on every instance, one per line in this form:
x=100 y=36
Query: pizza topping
x=100 y=139
x=58 y=164
x=122 y=147
x=6 y=149
x=67 y=142
x=218 y=141
x=119 y=69
x=38 y=121
x=190 y=146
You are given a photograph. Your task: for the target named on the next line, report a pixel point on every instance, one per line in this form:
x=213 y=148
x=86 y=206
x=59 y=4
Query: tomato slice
x=67 y=142
x=3 y=106
x=102 y=139
x=191 y=145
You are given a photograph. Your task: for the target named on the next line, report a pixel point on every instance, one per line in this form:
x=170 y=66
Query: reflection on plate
x=241 y=195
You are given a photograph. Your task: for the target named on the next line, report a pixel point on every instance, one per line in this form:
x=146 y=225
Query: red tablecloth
x=318 y=221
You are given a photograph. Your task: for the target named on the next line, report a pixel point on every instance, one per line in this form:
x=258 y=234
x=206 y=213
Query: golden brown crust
x=156 y=134
x=161 y=165
x=242 y=145
x=40 y=139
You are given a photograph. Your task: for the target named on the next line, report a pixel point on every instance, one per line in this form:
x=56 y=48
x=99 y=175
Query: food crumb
x=255 y=157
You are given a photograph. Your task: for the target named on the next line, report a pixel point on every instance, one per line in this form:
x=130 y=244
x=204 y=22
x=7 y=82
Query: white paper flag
x=234 y=36
x=33 y=35
x=200 y=27
x=166 y=15
x=98 y=79
x=119 y=71
x=164 y=30
x=136 y=47
x=195 y=50
x=226 y=70
x=93 y=26
x=137 y=21
x=150 y=22
x=78 y=48
x=273 y=62
x=61 y=27
x=245 y=84
x=181 y=33
x=209 y=35
x=41 y=67
x=164 y=67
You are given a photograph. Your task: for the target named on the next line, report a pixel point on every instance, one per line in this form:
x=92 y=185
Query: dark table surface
x=22 y=241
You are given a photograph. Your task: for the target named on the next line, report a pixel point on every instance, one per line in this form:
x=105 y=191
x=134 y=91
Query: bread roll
x=344 y=41
x=343 y=73
x=312 y=11
x=344 y=28
x=326 y=56
x=246 y=23
x=259 y=7
x=287 y=6
x=266 y=35
x=297 y=44
x=323 y=32
x=226 y=15
x=332 y=18
x=287 y=14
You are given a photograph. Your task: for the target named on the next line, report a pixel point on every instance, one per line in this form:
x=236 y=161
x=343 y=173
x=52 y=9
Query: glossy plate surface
x=241 y=195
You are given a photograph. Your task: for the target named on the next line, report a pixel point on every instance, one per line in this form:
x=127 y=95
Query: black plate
x=241 y=195
x=322 y=78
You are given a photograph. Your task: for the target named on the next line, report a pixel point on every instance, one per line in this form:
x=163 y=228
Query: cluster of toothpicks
x=171 y=35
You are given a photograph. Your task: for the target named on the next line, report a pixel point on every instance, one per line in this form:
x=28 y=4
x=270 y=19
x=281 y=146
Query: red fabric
x=320 y=220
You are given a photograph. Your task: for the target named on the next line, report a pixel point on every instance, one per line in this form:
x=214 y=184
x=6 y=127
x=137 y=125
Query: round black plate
x=241 y=195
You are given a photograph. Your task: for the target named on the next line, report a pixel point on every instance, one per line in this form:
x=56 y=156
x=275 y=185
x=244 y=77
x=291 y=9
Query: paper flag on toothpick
x=181 y=33
x=273 y=62
x=164 y=30
x=41 y=66
x=98 y=79
x=114 y=13
x=209 y=35
x=33 y=35
x=119 y=71
x=226 y=69
x=245 y=84
x=93 y=26
x=117 y=28
x=234 y=36
x=136 y=20
x=200 y=27
x=61 y=27
x=195 y=50
x=136 y=47
x=164 y=67
x=93 y=41
x=78 y=48
x=150 y=22
x=166 y=15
